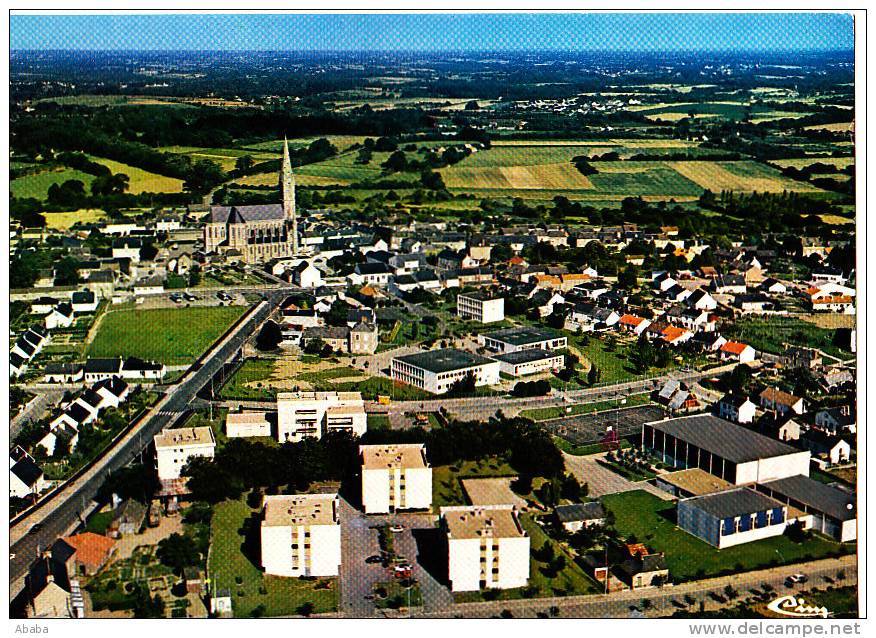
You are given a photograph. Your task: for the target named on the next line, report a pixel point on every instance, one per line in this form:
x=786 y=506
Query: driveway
x=602 y=480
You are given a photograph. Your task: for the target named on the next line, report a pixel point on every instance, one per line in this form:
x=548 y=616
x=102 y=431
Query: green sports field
x=174 y=336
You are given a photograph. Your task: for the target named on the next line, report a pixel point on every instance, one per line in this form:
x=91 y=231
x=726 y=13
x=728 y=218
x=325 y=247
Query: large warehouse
x=832 y=511
x=437 y=370
x=724 y=449
x=733 y=517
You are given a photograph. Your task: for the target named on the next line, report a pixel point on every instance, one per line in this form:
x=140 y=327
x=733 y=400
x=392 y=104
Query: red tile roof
x=734 y=347
x=92 y=550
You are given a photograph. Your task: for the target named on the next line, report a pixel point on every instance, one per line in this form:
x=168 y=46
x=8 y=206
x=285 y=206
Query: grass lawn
x=770 y=334
x=98 y=523
x=378 y=422
x=569 y=581
x=391 y=595
x=173 y=336
x=251 y=371
x=555 y=412
x=229 y=563
x=652 y=521
x=140 y=181
x=446 y=486
x=585 y=450
x=64 y=220
x=612 y=364
x=37 y=185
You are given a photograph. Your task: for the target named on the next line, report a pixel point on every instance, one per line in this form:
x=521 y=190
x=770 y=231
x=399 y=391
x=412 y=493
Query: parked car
x=797 y=579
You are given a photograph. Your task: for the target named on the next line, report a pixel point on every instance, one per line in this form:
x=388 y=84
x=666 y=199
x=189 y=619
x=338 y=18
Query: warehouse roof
x=444 y=360
x=830 y=500
x=738 y=502
x=723 y=438
x=523 y=336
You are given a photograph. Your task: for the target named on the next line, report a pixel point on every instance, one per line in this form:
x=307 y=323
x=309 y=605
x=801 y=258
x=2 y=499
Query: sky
x=437 y=32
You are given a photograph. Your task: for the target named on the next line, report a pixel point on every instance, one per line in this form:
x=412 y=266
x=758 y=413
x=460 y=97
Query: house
x=358 y=315
x=729 y=285
x=754 y=303
x=833 y=303
x=829 y=379
x=677 y=396
x=674 y=335
x=306 y=275
x=174 y=448
x=487 y=547
x=395 y=477
x=837 y=420
x=61 y=316
x=780 y=401
x=773 y=286
x=831 y=448
x=708 y=341
x=17 y=365
x=633 y=324
x=827 y=274
x=134 y=368
x=149 y=286
x=301 y=535
x=371 y=273
x=579 y=515
x=336 y=337
x=49 y=589
x=313 y=414
x=644 y=570
x=100 y=369
x=91 y=551
x=800 y=357
x=701 y=300
x=128 y=518
x=43 y=305
x=736 y=351
x=590 y=316
x=546 y=301
x=247 y=424
x=25 y=476
x=112 y=391
x=677 y=293
x=733 y=517
x=663 y=281
x=437 y=371
x=66 y=373
x=84 y=301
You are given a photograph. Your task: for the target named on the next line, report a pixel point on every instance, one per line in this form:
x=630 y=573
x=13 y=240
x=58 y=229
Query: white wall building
x=173 y=449
x=303 y=414
x=524 y=362
x=487 y=548
x=247 y=424
x=481 y=307
x=395 y=477
x=437 y=370
x=301 y=535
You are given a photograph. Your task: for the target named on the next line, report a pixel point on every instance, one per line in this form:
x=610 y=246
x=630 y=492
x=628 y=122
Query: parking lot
x=592 y=428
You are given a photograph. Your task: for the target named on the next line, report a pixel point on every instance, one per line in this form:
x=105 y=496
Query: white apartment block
x=487 y=547
x=301 y=535
x=437 y=370
x=173 y=449
x=303 y=414
x=480 y=307
x=395 y=477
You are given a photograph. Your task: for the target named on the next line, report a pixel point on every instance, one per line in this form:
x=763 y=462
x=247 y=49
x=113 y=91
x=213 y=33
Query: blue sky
x=436 y=32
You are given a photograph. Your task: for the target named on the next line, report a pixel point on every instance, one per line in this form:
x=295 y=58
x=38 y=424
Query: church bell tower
x=287 y=188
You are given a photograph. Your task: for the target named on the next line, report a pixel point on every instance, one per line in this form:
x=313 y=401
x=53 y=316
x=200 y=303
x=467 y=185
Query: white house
x=395 y=477
x=307 y=275
x=61 y=316
x=247 y=424
x=174 y=448
x=781 y=401
x=25 y=476
x=737 y=408
x=736 y=351
x=487 y=548
x=301 y=535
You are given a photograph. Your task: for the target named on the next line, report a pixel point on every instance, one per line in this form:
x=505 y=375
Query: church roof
x=234 y=217
x=253 y=213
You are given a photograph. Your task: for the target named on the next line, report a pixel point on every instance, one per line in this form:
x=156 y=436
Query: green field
x=771 y=334
x=250 y=371
x=803 y=162
x=652 y=521
x=232 y=557
x=37 y=185
x=140 y=181
x=174 y=336
x=225 y=157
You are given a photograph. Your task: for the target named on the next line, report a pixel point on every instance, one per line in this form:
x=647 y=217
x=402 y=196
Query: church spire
x=287 y=189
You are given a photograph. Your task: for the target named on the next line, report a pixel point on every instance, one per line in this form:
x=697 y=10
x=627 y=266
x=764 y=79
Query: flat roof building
x=437 y=370
x=523 y=362
x=722 y=448
x=525 y=338
x=734 y=517
x=832 y=511
x=691 y=482
x=313 y=414
x=487 y=548
x=173 y=449
x=480 y=306
x=395 y=477
x=301 y=535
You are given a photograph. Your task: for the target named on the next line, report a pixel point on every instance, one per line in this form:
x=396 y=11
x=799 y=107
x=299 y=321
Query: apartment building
x=301 y=535
x=173 y=449
x=303 y=414
x=480 y=306
x=437 y=370
x=395 y=477
x=487 y=547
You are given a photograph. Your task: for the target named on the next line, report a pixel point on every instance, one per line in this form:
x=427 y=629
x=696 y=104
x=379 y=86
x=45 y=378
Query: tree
x=178 y=551
x=571 y=488
x=593 y=375
x=67 y=271
x=314 y=346
x=396 y=163
x=628 y=277
x=522 y=484
x=472 y=105
x=244 y=163
x=269 y=337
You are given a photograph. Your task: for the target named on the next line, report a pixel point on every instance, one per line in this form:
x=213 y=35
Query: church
x=257 y=233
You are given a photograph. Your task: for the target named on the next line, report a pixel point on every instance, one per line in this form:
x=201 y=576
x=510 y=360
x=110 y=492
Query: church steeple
x=287 y=188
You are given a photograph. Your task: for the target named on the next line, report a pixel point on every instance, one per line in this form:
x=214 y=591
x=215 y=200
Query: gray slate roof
x=252 y=213
x=825 y=498
x=736 y=502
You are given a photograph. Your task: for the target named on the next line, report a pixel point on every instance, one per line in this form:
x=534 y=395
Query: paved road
x=65 y=507
x=663 y=601
x=36 y=409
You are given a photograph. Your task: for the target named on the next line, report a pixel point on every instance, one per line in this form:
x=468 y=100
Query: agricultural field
x=341 y=142
x=37 y=185
x=65 y=220
x=744 y=176
x=803 y=162
x=113 y=100
x=141 y=181
x=834 y=127
x=174 y=336
x=224 y=157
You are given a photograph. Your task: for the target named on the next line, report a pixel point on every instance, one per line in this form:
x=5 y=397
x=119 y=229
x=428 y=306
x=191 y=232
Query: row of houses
x=26 y=347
